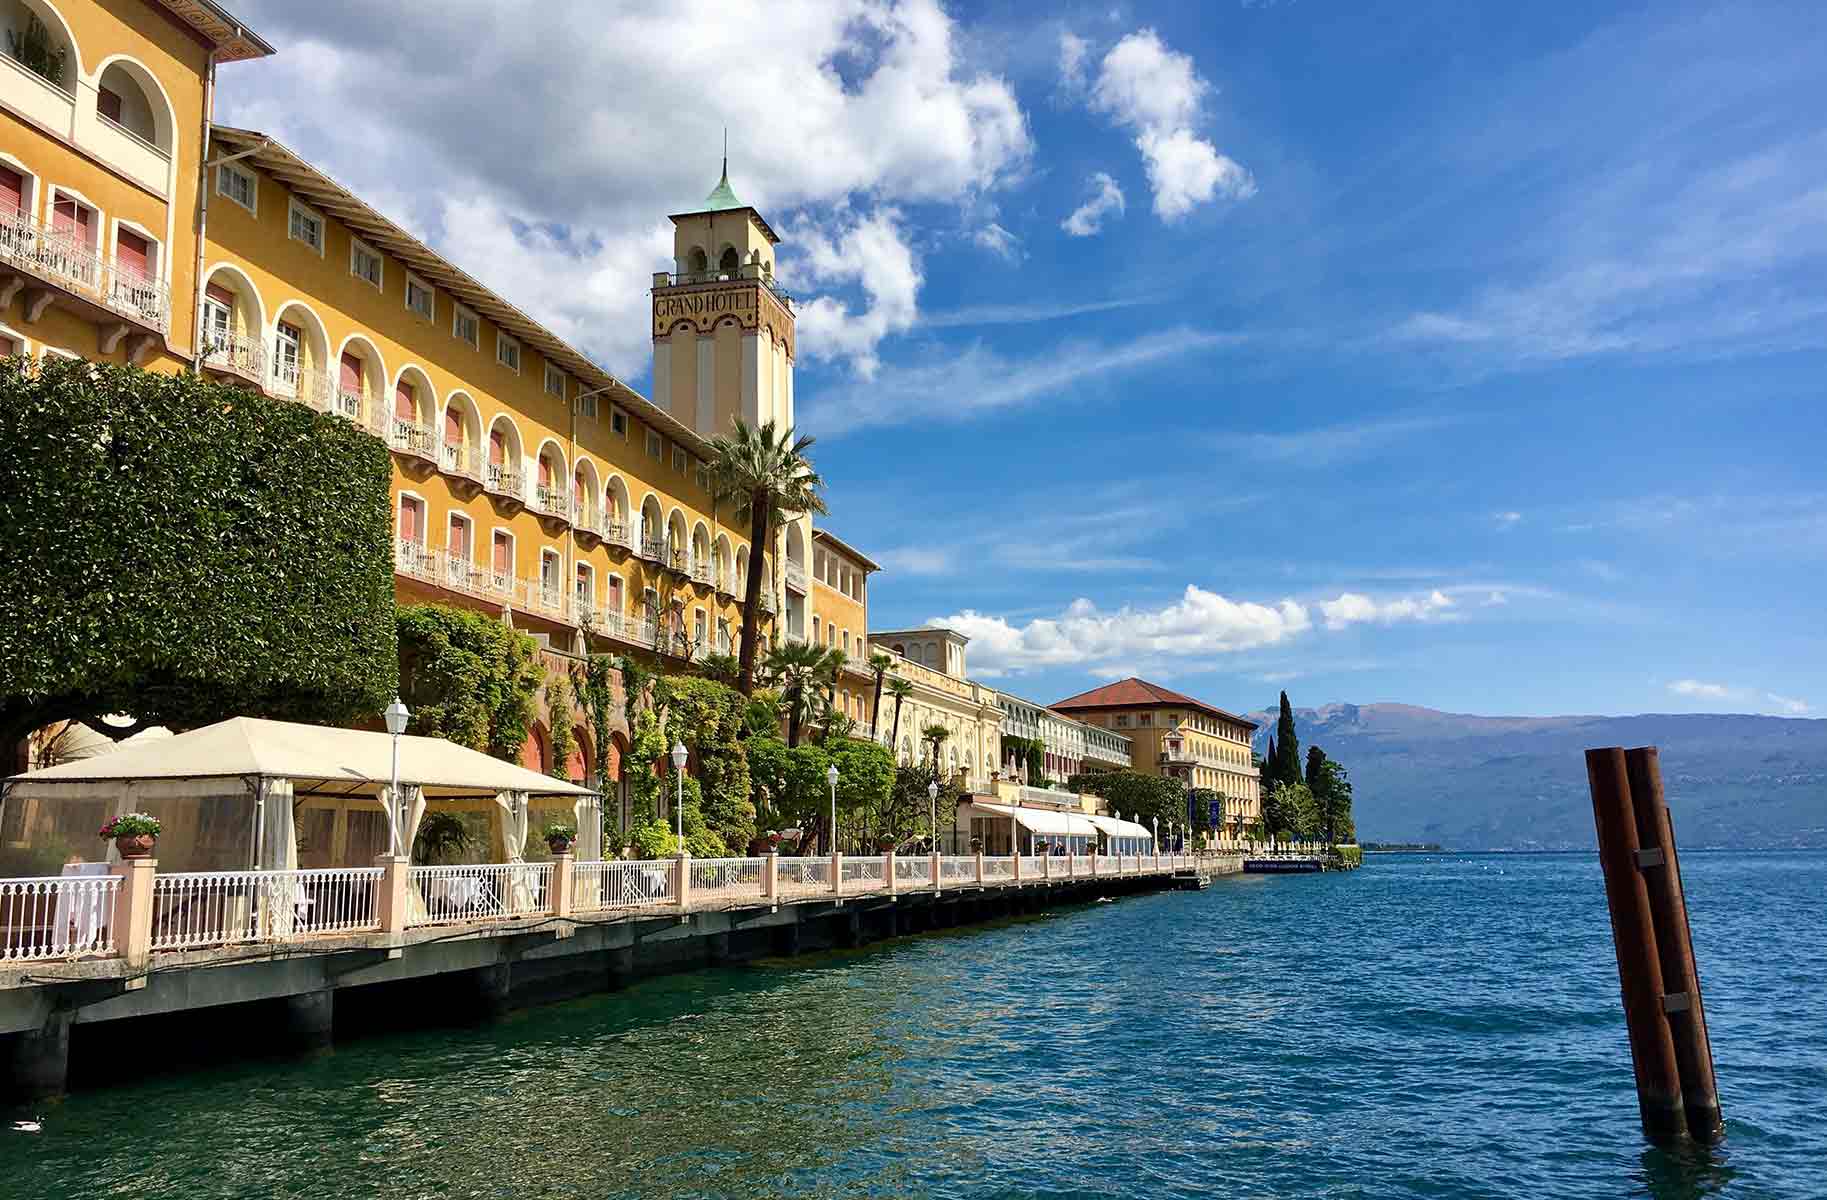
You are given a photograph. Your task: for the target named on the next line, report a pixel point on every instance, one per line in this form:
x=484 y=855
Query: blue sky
x=1465 y=356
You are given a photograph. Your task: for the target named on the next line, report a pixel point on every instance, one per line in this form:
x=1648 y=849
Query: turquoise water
x=1433 y=1025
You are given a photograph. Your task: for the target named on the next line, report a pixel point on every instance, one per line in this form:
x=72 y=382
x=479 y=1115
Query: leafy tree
x=880 y=664
x=185 y=552
x=1140 y=798
x=911 y=813
x=1269 y=764
x=723 y=668
x=707 y=717
x=593 y=684
x=797 y=669
x=761 y=716
x=1289 y=810
x=865 y=788
x=766 y=472
x=564 y=737
x=468 y=677
x=770 y=772
x=1331 y=788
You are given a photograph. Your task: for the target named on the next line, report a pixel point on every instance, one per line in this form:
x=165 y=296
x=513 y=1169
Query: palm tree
x=767 y=472
x=936 y=734
x=879 y=665
x=721 y=667
x=795 y=668
x=900 y=689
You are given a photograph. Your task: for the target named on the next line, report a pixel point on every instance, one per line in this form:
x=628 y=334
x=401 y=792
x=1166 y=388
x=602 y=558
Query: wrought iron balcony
x=749 y=273
x=409 y=437
x=653 y=550
x=59 y=258
x=503 y=480
x=290 y=381
x=796 y=575
x=236 y=354
x=550 y=499
x=457 y=459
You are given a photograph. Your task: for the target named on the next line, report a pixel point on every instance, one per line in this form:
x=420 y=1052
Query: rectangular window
x=12 y=191
x=412 y=520
x=366 y=263
x=108 y=103
x=73 y=219
x=697 y=627
x=133 y=254
x=9 y=346
x=419 y=296
x=618 y=422
x=465 y=326
x=503 y=551
x=555 y=381
x=507 y=352
x=456 y=540
x=702 y=475
x=586 y=406
x=680 y=459
x=586 y=587
x=237 y=185
x=656 y=447
x=307 y=227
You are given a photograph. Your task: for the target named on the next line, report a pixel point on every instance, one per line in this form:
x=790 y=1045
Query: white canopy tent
x=1126 y=837
x=233 y=788
x=1054 y=827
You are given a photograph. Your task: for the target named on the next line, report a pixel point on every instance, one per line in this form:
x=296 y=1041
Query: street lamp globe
x=678 y=756
x=396 y=715
x=932 y=796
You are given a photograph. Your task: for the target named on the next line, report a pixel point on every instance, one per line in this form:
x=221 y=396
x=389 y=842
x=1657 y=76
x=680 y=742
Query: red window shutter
x=63 y=214
x=220 y=295
x=109 y=103
x=497 y=448
x=8 y=347
x=502 y=563
x=12 y=190
x=409 y=519
x=352 y=374
x=453 y=427
x=458 y=541
x=85 y=224
x=545 y=472
x=405 y=406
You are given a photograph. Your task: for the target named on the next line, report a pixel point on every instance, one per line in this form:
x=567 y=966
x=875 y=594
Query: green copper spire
x=721 y=196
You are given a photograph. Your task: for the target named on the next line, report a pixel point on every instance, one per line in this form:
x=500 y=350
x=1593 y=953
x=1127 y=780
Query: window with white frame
x=307 y=226
x=680 y=460
x=555 y=381
x=612 y=596
x=586 y=405
x=585 y=587
x=723 y=637
x=702 y=475
x=656 y=446
x=618 y=422
x=419 y=296
x=11 y=344
x=697 y=627
x=238 y=185
x=365 y=263
x=549 y=566
x=507 y=352
x=466 y=326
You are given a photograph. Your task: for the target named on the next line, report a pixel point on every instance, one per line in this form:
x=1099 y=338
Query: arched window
x=697 y=262
x=730 y=263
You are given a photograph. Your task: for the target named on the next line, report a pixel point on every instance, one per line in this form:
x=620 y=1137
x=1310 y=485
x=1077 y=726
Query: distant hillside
x=1519 y=783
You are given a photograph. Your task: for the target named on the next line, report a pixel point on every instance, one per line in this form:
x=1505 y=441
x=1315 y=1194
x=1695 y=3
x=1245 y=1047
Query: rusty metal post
x=1661 y=871
x=1633 y=936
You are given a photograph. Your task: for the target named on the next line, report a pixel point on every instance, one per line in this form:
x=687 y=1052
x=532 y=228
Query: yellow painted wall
x=284 y=272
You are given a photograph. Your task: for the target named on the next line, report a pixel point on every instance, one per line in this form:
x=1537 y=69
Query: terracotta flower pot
x=135 y=845
x=558 y=845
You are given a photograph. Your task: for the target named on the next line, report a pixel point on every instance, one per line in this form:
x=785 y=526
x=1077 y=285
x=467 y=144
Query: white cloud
x=833 y=102
x=1088 y=218
x=997 y=241
x=1355 y=608
x=1072 y=53
x=971 y=380
x=1200 y=623
x=1332 y=444
x=1697 y=689
x=873 y=252
x=1506 y=519
x=917 y=560
x=1155 y=92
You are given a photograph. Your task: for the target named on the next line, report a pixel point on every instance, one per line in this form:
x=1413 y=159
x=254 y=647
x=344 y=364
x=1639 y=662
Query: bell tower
x=722 y=330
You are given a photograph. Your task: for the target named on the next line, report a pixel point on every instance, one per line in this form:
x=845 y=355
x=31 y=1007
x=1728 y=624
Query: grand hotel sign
x=703 y=307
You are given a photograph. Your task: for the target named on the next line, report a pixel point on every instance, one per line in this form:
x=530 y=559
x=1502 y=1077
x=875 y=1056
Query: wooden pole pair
x=1669 y=1049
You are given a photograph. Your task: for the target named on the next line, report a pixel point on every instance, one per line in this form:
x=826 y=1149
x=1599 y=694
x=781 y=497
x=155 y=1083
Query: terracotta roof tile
x=1139 y=693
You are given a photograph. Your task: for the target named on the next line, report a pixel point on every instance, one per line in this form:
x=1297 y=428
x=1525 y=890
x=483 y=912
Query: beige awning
x=1047 y=821
x=1119 y=828
x=318 y=759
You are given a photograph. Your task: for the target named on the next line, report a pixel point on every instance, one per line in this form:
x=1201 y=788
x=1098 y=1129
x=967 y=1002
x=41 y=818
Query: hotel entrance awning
x=1119 y=828
x=1045 y=821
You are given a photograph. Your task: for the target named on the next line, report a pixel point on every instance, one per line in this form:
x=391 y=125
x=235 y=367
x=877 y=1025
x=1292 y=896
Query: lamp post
x=831 y=778
x=932 y=799
x=678 y=769
x=396 y=716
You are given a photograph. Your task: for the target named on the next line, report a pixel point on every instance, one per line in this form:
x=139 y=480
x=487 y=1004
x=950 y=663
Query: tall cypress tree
x=1270 y=765
x=1287 y=745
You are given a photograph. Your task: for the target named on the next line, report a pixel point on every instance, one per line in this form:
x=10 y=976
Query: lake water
x=1433 y=1025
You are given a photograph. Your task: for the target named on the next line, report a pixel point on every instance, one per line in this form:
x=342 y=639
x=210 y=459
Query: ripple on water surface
x=1431 y=1026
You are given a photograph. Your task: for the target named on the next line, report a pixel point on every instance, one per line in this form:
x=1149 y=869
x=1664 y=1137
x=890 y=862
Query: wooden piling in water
x=1633 y=936
x=1661 y=871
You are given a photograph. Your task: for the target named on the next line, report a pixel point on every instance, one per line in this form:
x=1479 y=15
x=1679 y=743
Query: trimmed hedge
x=186 y=551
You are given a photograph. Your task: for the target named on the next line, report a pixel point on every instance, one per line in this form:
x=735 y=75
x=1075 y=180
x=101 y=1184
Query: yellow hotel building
x=528 y=482
x=1175 y=735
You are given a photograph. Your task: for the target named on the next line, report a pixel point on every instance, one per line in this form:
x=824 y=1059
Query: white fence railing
x=62 y=917
x=865 y=874
x=998 y=866
x=732 y=879
x=958 y=868
x=800 y=876
x=601 y=886
x=224 y=908
x=1033 y=866
x=912 y=872
x=444 y=895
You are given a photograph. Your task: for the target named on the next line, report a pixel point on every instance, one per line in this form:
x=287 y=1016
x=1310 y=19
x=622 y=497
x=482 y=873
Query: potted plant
x=884 y=844
x=134 y=834
x=559 y=836
x=976 y=845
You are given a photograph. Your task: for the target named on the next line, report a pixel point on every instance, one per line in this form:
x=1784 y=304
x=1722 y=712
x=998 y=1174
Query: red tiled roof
x=1139 y=693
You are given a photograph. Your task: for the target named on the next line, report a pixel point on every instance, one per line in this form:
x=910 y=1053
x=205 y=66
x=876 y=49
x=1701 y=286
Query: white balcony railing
x=413 y=558
x=700 y=570
x=222 y=908
x=502 y=480
x=653 y=549
x=409 y=437
x=60 y=258
x=446 y=895
x=607 y=885
x=455 y=458
x=237 y=354
x=614 y=532
x=796 y=575
x=545 y=599
x=550 y=499
x=306 y=385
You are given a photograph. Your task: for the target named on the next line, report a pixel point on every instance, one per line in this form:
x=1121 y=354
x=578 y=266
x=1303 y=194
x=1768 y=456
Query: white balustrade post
x=837 y=872
x=564 y=884
x=1016 y=858
x=979 y=868
x=133 y=915
x=937 y=870
x=681 y=881
x=770 y=876
x=888 y=871
x=394 y=885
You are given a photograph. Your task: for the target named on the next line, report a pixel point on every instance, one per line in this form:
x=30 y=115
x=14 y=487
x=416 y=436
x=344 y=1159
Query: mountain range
x=1519 y=783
